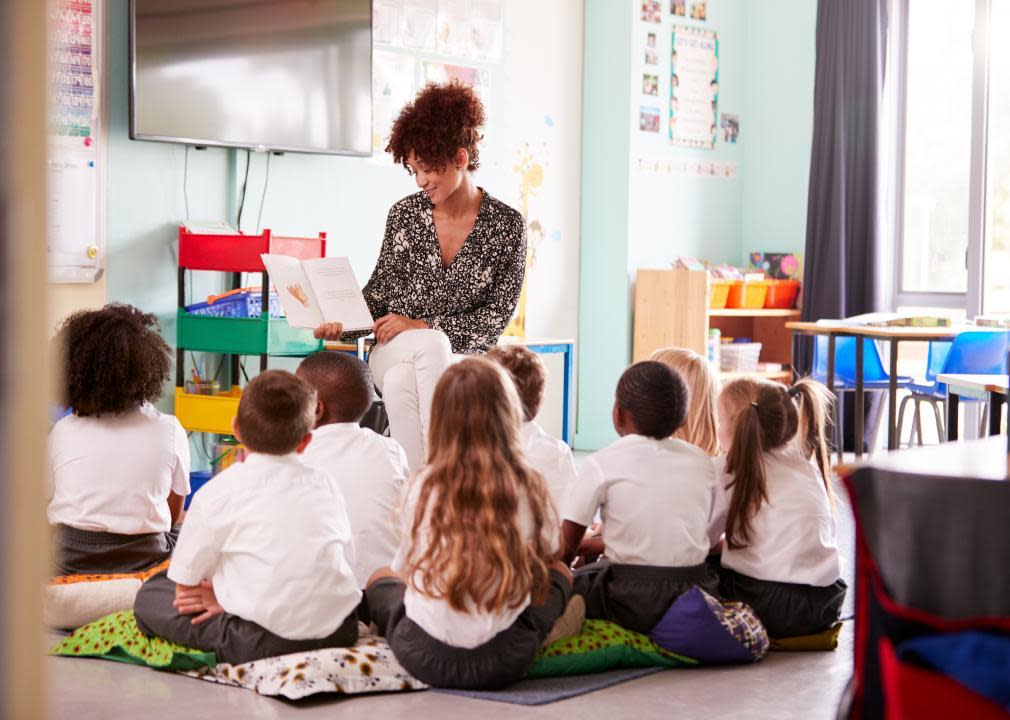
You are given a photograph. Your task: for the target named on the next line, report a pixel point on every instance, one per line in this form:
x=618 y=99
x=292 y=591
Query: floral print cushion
x=368 y=667
x=603 y=645
x=117 y=637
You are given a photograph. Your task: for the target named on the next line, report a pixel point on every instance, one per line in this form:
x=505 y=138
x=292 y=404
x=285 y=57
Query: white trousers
x=406 y=370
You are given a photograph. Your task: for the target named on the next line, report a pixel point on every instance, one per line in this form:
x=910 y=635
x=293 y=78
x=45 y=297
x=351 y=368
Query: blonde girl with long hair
x=473 y=591
x=700 y=428
x=775 y=506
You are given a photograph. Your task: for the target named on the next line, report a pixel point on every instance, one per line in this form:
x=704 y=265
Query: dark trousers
x=637 y=596
x=232 y=639
x=81 y=552
x=500 y=661
x=786 y=609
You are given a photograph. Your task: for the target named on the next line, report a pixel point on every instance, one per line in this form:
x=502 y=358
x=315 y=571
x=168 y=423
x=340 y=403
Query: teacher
x=451 y=266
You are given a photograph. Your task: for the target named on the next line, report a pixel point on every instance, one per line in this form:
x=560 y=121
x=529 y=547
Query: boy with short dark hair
x=263 y=563
x=547 y=455
x=369 y=468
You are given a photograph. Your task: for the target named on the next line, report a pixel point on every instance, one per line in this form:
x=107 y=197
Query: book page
x=338 y=293
x=294 y=290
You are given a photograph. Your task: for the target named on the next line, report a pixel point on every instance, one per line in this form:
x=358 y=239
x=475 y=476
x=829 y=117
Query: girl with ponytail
x=775 y=506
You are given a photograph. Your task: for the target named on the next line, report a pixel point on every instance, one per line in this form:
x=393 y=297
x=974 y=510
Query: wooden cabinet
x=672 y=310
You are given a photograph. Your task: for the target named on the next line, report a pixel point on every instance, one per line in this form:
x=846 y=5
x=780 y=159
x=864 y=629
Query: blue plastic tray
x=240 y=305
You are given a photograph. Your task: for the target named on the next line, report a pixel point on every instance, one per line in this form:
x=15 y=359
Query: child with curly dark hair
x=452 y=263
x=118 y=468
x=655 y=493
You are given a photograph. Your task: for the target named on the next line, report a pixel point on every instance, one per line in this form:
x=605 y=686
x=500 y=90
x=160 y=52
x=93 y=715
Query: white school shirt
x=272 y=535
x=370 y=470
x=114 y=473
x=792 y=536
x=551 y=458
x=472 y=627
x=655 y=498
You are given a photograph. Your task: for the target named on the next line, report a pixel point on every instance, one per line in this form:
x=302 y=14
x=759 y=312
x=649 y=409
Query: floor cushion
x=70 y=601
x=711 y=631
x=826 y=640
x=603 y=645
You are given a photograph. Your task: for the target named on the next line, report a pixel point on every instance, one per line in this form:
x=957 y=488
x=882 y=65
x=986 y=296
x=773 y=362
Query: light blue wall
x=766 y=76
x=777 y=129
x=674 y=214
x=604 y=318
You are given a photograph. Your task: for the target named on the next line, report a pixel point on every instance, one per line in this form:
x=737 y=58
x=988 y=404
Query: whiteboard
x=76 y=144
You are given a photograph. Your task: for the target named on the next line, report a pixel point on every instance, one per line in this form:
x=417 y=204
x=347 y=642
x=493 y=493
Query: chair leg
x=940 y=435
x=875 y=431
x=901 y=418
x=983 y=423
x=918 y=421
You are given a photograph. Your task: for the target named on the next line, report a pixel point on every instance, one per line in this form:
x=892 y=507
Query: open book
x=314 y=292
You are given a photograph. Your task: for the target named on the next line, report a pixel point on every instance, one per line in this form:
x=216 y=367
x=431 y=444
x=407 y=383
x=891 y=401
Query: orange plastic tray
x=782 y=294
x=747 y=295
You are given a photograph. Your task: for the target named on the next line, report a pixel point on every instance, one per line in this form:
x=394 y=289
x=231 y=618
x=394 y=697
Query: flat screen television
x=281 y=75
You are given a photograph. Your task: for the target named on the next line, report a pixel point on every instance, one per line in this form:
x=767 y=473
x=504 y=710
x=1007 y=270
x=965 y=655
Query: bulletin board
x=694 y=87
x=76 y=143
x=420 y=41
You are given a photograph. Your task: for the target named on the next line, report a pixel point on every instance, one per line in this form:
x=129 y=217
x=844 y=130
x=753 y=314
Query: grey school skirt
x=80 y=552
x=500 y=661
x=786 y=609
x=637 y=596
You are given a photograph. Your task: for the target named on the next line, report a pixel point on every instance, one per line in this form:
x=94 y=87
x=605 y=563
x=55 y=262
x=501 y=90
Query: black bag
x=376 y=418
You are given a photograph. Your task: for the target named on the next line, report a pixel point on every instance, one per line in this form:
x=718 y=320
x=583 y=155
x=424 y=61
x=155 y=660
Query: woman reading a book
x=451 y=266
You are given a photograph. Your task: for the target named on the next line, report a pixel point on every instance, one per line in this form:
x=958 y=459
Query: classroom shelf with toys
x=688 y=308
x=240 y=322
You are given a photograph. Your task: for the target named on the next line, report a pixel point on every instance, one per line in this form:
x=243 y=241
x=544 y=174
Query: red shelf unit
x=234 y=254
x=241 y=253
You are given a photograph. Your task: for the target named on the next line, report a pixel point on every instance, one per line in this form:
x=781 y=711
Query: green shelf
x=244 y=336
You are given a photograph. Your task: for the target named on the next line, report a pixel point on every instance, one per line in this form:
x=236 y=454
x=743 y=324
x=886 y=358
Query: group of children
x=462 y=564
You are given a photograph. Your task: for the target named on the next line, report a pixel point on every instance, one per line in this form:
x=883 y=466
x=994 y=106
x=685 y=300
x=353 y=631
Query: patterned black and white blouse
x=471 y=300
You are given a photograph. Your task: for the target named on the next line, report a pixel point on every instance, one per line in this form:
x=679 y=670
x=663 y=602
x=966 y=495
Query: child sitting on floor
x=775 y=506
x=118 y=469
x=547 y=455
x=655 y=493
x=369 y=468
x=703 y=389
x=263 y=560
x=473 y=592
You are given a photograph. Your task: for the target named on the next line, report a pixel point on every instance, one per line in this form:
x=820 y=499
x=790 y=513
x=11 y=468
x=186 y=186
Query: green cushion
x=603 y=646
x=117 y=637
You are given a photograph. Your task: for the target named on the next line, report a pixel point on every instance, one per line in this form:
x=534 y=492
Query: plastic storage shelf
x=207 y=413
x=241 y=253
x=244 y=336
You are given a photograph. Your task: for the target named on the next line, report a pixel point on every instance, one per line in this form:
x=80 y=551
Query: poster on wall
x=418 y=20
x=73 y=143
x=652 y=11
x=477 y=78
x=694 y=87
x=678 y=8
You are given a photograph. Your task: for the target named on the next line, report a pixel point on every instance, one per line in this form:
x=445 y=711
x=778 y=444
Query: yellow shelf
x=745 y=312
x=207 y=413
x=777 y=375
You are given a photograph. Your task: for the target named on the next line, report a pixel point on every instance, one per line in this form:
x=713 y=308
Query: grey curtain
x=842 y=270
x=844 y=231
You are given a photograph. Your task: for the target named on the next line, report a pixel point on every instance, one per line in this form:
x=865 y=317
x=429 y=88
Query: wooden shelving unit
x=672 y=310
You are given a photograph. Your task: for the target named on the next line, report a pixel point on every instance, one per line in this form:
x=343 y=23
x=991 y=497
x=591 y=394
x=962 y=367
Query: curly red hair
x=441 y=120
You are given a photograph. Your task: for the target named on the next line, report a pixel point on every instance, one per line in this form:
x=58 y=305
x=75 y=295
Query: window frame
x=970 y=301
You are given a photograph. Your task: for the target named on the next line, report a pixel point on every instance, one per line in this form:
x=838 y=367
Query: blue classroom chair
x=875 y=376
x=977 y=352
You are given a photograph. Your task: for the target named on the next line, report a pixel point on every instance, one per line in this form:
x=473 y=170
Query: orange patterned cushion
x=142 y=575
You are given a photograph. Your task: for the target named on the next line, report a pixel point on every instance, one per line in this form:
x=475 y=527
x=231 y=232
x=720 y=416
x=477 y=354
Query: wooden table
x=993 y=388
x=893 y=335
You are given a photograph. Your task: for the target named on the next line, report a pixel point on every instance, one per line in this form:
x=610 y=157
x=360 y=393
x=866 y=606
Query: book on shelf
x=313 y=292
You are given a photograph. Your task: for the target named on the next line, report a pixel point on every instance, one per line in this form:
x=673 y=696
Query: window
x=951 y=206
x=996 y=293
x=937 y=166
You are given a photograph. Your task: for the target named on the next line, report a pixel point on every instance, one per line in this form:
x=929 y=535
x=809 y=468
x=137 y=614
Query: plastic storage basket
x=244 y=303
x=720 y=293
x=739 y=357
x=747 y=294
